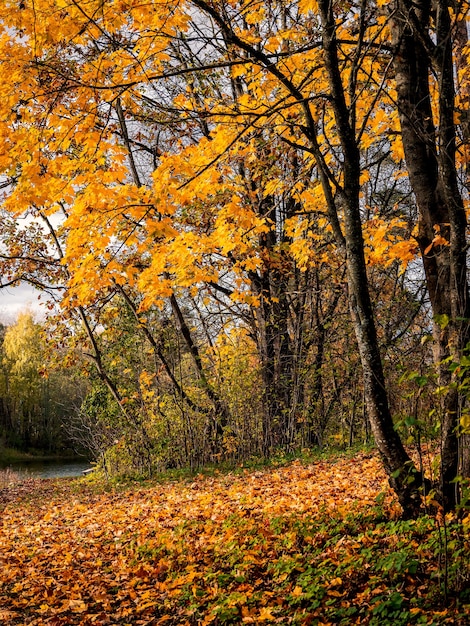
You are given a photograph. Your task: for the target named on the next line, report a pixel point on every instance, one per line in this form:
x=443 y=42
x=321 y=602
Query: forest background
x=249 y=219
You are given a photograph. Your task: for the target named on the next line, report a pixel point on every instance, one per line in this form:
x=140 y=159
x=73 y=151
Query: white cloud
x=13 y=300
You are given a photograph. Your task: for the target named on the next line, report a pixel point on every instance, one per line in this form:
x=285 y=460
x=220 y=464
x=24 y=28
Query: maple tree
x=224 y=152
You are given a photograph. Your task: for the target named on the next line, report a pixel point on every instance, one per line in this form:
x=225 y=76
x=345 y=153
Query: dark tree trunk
x=276 y=357
x=403 y=476
x=279 y=328
x=430 y=160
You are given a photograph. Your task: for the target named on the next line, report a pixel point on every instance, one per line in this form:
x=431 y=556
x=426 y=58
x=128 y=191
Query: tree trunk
x=276 y=357
x=221 y=416
x=404 y=478
x=430 y=160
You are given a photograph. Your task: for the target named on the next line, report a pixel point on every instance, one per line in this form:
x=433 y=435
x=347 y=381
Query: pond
x=50 y=468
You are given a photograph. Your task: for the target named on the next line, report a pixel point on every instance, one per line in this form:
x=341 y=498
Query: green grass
x=11 y=456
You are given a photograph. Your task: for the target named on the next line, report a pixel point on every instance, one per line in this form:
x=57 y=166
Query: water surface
x=53 y=468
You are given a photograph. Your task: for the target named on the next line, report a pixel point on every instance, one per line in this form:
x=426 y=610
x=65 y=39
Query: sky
x=15 y=300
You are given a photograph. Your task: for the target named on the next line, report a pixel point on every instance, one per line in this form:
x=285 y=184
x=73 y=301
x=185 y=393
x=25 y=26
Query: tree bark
x=430 y=159
x=403 y=476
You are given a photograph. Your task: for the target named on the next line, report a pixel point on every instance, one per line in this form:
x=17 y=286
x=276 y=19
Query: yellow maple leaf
x=265 y=615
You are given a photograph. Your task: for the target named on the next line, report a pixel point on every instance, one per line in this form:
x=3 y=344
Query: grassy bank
x=305 y=543
x=11 y=456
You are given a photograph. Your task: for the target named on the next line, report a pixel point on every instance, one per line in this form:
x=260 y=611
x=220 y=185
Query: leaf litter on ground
x=305 y=543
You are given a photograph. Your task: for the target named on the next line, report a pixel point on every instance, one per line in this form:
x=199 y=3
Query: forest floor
x=304 y=543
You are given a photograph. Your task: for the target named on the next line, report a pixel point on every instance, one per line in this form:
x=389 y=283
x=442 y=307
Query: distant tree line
x=37 y=404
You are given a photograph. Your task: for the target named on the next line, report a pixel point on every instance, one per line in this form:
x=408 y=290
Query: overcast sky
x=13 y=301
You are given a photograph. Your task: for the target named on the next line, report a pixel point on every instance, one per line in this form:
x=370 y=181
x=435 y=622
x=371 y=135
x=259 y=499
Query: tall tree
x=424 y=39
x=341 y=191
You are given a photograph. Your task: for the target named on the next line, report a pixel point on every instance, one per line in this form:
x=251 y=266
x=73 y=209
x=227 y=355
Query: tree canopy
x=208 y=185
